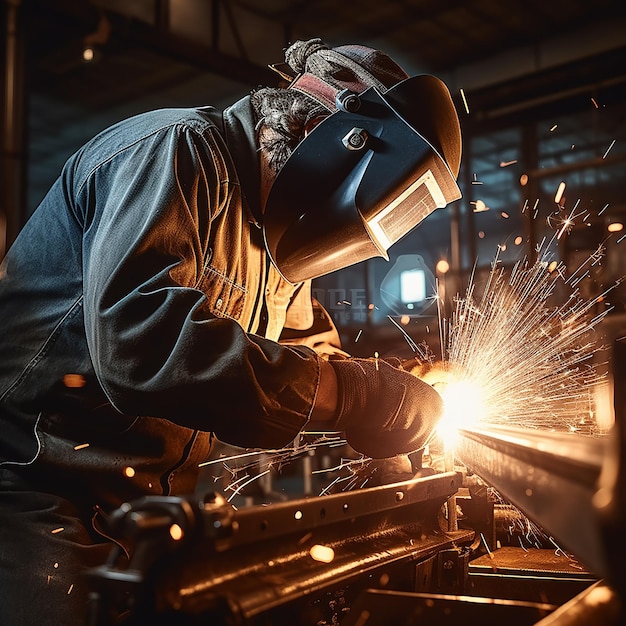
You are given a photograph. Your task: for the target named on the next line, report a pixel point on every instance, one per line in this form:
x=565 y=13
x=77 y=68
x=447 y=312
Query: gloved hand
x=384 y=410
x=435 y=373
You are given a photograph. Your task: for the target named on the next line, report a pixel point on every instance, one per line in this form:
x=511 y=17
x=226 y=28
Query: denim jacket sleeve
x=148 y=200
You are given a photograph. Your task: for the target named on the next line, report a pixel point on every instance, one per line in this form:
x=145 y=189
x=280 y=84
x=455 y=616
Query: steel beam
x=201 y=557
x=551 y=477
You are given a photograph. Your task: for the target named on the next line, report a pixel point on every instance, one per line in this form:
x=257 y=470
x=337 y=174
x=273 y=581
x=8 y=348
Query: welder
x=160 y=297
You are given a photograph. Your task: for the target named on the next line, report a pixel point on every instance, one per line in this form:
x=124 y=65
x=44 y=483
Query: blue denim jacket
x=140 y=313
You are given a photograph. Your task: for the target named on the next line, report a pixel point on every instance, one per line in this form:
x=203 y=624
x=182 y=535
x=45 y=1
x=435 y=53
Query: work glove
x=383 y=410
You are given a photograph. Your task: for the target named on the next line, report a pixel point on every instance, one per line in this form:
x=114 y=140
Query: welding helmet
x=383 y=160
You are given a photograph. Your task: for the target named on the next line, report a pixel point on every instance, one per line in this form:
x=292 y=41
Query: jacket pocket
x=225 y=297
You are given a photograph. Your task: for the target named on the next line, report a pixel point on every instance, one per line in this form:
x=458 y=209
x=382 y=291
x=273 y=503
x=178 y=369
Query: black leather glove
x=384 y=410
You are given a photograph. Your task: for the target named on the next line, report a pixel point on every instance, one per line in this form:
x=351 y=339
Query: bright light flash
x=464 y=407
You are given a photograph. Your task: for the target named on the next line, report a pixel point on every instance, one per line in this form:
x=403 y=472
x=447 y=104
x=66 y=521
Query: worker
x=160 y=297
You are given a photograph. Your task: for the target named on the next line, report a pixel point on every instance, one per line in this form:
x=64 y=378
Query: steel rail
x=551 y=477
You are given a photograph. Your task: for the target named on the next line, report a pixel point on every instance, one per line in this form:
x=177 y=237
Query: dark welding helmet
x=364 y=177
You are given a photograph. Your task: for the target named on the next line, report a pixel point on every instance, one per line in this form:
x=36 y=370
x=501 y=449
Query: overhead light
x=89 y=54
x=442 y=266
x=412 y=286
x=93 y=43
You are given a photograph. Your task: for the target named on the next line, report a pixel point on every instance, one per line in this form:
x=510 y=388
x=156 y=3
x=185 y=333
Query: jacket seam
x=39 y=447
x=210 y=269
x=34 y=361
x=188 y=124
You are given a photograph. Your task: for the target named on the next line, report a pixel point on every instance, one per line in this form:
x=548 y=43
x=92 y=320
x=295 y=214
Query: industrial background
x=540 y=90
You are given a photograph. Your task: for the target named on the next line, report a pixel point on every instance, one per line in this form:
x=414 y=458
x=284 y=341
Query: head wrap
x=322 y=72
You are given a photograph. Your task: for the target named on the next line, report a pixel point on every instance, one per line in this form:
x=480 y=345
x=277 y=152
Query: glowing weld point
x=463 y=407
x=129 y=471
x=57 y=530
x=81 y=446
x=323 y=554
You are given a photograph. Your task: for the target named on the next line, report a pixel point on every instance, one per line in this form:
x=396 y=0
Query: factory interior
x=521 y=518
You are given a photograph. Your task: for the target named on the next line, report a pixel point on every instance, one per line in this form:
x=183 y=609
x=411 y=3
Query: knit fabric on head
x=282 y=114
x=323 y=71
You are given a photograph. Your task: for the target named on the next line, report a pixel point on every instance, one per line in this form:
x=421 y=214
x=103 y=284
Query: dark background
x=539 y=87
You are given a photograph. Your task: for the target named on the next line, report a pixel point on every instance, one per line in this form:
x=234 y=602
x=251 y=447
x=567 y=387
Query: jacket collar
x=240 y=137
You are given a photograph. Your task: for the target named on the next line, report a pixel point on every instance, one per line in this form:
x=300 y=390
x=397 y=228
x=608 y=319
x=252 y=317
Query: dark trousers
x=45 y=547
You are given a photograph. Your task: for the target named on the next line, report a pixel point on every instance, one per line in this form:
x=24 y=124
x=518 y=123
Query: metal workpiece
x=551 y=476
x=201 y=557
x=598 y=605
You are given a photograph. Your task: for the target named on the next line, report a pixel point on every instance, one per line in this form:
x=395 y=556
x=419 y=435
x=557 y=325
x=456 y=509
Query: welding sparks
x=565 y=223
x=421 y=351
x=479 y=206
x=558 y=550
x=559 y=193
x=244 y=483
x=520 y=352
x=489 y=552
x=464 y=101
x=607 y=150
x=244 y=468
x=516 y=358
x=323 y=554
